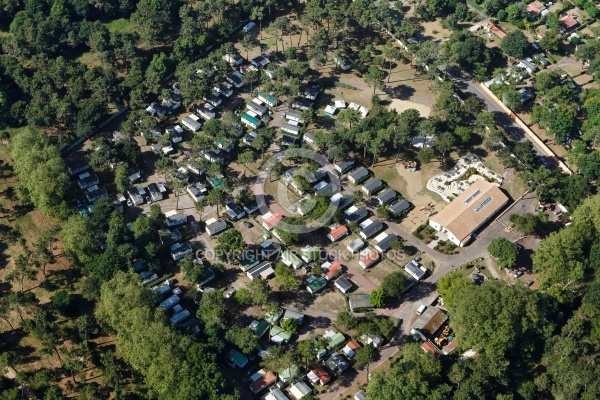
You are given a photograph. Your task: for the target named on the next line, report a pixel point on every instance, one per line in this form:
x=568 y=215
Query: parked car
x=529 y=283
x=148 y=200
x=230 y=293
x=248 y=27
x=417 y=259
x=248 y=224
x=517 y=274
x=519 y=246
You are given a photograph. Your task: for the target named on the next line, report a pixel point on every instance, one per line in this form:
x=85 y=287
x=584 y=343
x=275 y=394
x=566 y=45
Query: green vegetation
x=504 y=251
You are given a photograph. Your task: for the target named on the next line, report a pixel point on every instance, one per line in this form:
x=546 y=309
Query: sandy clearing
x=403 y=105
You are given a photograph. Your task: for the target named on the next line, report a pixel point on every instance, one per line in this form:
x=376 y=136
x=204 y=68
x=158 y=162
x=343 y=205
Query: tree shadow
x=402 y=91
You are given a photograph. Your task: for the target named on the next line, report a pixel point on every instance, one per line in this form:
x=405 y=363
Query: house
x=168 y=236
x=383 y=242
x=358 y=175
x=167 y=148
x=369 y=228
x=192 y=122
x=263 y=382
x=328 y=189
x=175 y=218
x=341 y=201
x=398 y=207
x=351 y=348
x=309 y=137
x=299 y=390
x=237 y=359
x=355 y=246
x=259 y=327
x=310 y=254
x=263 y=270
x=343 y=285
x=287 y=141
x=527 y=66
x=170 y=302
x=206 y=112
x=314 y=284
x=156 y=110
x=343 y=166
x=295 y=116
x=360 y=395
x=386 y=196
x=429 y=323
x=197 y=191
x=330 y=110
x=534 y=9
x=527 y=94
x=364 y=111
x=302 y=104
x=342 y=62
x=249 y=260
x=372 y=339
x=268 y=99
x=180 y=317
x=234 y=211
x=337 y=363
x=250 y=121
x=296 y=316
x=289 y=127
x=260 y=61
x=136 y=194
x=276 y=394
x=355 y=214
x=249 y=138
x=236 y=79
x=269 y=249
x=88 y=181
x=541 y=59
x=495 y=29
x=359 y=302
x=469 y=211
x=235 y=60
x=117 y=200
x=256 y=107
x=279 y=335
x=337 y=233
x=339 y=104
x=331 y=269
x=415 y=270
x=135 y=176
x=97 y=193
x=214 y=156
x=368 y=258
x=334 y=339
x=371 y=186
x=77 y=168
x=178 y=251
x=567 y=23
x=251 y=207
x=171 y=104
x=155 y=193
x=318 y=375
x=175 y=132
x=290 y=259
x=225 y=145
x=214 y=226
x=270 y=220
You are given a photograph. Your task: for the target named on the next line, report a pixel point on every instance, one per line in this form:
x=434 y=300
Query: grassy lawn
x=472 y=266
x=119 y=25
x=90 y=59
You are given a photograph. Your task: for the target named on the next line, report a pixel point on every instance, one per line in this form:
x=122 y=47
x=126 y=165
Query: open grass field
x=119 y=25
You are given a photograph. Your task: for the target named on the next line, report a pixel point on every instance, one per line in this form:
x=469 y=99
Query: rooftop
x=430 y=321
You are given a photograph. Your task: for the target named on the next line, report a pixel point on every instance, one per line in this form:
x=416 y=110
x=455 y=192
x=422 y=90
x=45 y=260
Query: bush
x=62 y=302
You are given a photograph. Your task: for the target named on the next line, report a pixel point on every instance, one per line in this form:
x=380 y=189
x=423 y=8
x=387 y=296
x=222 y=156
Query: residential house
x=77 y=168
x=192 y=122
x=205 y=111
x=155 y=193
x=343 y=285
x=386 y=196
x=359 y=302
x=276 y=394
x=169 y=302
x=334 y=339
x=271 y=220
x=383 y=242
x=310 y=253
x=136 y=194
x=225 y=145
x=179 y=251
x=358 y=175
x=368 y=258
x=337 y=233
x=415 y=270
x=290 y=127
x=88 y=181
x=330 y=110
x=541 y=59
x=295 y=116
x=469 y=211
x=567 y=23
x=296 y=316
x=343 y=166
x=250 y=121
x=355 y=246
x=429 y=323
x=180 y=317
x=318 y=375
x=342 y=62
x=351 y=348
x=355 y=214
x=287 y=141
x=337 y=363
x=360 y=395
x=97 y=193
x=256 y=107
x=214 y=156
x=290 y=259
x=341 y=201
x=527 y=66
x=398 y=207
x=299 y=390
x=534 y=9
x=269 y=249
x=310 y=93
x=171 y=104
x=236 y=79
x=235 y=60
x=263 y=382
x=371 y=186
x=175 y=218
x=495 y=29
x=372 y=339
x=331 y=269
x=234 y=211
x=237 y=359
x=260 y=61
x=369 y=228
x=259 y=327
x=167 y=148
x=117 y=200
x=279 y=335
x=314 y=284
x=157 y=110
x=197 y=191
x=135 y=176
x=268 y=99
x=302 y=104
x=263 y=270
x=249 y=138
x=309 y=137
x=214 y=226
x=251 y=207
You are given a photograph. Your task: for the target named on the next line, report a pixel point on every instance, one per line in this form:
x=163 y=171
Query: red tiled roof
x=333 y=269
x=569 y=21
x=322 y=374
x=427 y=346
x=273 y=220
x=353 y=344
x=338 y=232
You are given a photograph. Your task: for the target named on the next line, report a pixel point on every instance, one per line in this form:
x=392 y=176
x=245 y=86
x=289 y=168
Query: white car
x=230 y=293
x=248 y=27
